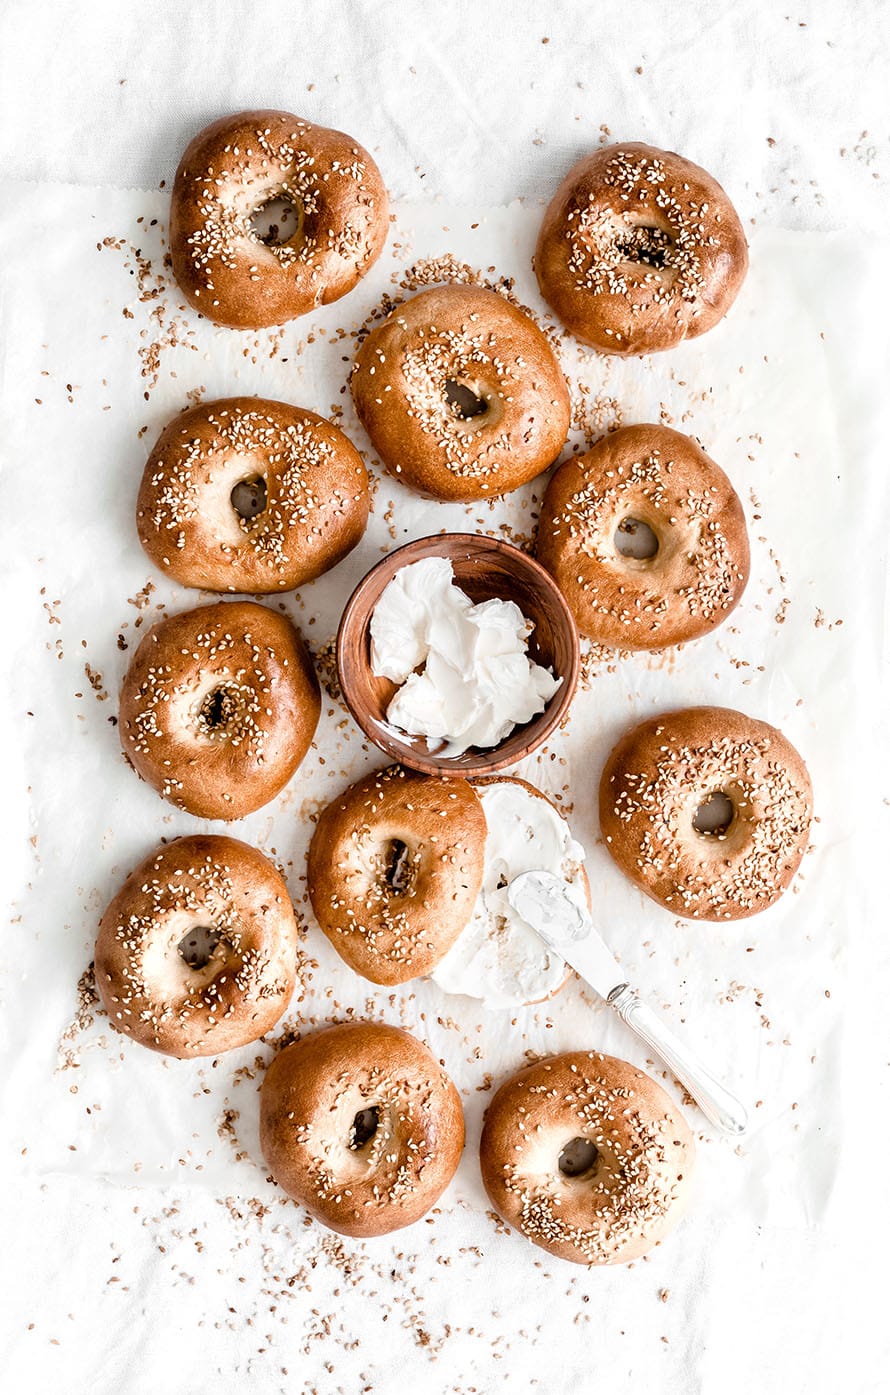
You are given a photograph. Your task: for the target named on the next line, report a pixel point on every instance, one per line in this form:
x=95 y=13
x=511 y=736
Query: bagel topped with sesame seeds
x=219 y=706
x=235 y=168
x=395 y=865
x=646 y=537
x=461 y=394
x=408 y=876
x=250 y=495
x=706 y=810
x=361 y=1125
x=197 y=953
x=639 y=249
x=587 y=1157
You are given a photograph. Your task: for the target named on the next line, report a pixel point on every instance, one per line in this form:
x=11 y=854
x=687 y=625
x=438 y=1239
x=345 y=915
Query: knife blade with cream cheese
x=541 y=899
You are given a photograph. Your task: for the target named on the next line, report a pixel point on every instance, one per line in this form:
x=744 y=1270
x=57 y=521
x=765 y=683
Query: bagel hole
x=249 y=497
x=277 y=220
x=578 y=1158
x=364 y=1126
x=217 y=709
x=398 y=867
x=644 y=244
x=197 y=946
x=634 y=538
x=463 y=401
x=714 y=815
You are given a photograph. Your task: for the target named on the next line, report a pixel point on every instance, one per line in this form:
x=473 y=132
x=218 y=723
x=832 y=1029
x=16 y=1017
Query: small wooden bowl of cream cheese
x=440 y=680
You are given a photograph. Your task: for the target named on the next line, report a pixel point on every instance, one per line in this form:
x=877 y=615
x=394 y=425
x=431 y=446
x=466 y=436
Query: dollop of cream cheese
x=465 y=675
x=498 y=958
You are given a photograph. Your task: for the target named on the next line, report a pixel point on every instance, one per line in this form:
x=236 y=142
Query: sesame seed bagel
x=395 y=865
x=587 y=1157
x=461 y=394
x=362 y=1126
x=639 y=250
x=245 y=494
x=218 y=708
x=197 y=952
x=656 y=786
x=664 y=480
x=229 y=173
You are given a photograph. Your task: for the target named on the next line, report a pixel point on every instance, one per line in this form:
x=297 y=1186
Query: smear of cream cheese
x=466 y=678
x=499 y=958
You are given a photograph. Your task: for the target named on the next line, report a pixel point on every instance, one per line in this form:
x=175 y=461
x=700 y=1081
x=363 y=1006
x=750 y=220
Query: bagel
x=664 y=783
x=231 y=171
x=639 y=249
x=218 y=708
x=659 y=478
x=250 y=495
x=197 y=952
x=587 y=1157
x=362 y=1126
x=395 y=865
x=408 y=873
x=461 y=394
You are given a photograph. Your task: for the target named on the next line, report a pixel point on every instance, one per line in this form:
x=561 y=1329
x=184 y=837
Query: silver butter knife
x=541 y=899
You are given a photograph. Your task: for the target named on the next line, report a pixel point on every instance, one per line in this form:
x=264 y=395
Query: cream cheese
x=499 y=959
x=465 y=675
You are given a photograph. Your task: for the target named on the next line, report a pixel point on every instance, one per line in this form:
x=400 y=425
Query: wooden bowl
x=483 y=568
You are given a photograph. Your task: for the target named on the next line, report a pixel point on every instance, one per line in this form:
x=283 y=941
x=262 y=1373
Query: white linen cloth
x=143 y=1242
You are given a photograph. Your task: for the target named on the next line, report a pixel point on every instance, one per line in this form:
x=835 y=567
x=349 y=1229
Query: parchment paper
x=98 y=354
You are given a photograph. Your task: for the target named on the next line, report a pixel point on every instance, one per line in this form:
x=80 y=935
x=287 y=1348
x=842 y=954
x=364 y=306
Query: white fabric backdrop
x=466 y=100
x=113 y=1286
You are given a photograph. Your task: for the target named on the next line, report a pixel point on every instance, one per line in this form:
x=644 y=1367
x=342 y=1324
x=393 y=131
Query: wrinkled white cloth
x=143 y=1245
x=468 y=101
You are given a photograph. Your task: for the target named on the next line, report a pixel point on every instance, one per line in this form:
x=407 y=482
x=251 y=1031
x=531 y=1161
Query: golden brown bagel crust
x=639 y=249
x=656 y=778
x=310 y=1097
x=664 y=479
x=316 y=496
x=637 y=1189
x=233 y=168
x=387 y=935
x=477 y=339
x=219 y=706
x=149 y=990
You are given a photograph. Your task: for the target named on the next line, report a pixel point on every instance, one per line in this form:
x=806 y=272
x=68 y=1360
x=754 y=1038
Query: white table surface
x=115 y=1282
